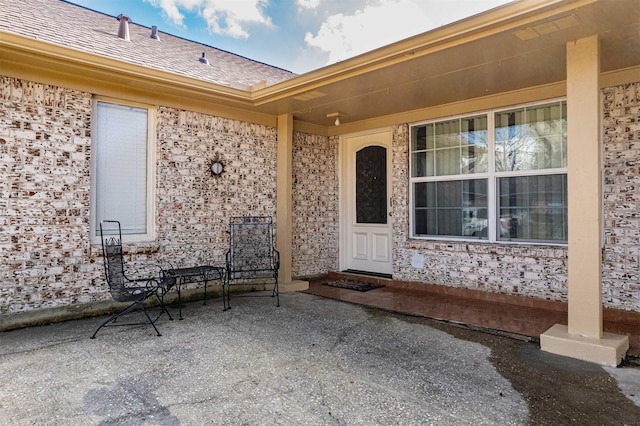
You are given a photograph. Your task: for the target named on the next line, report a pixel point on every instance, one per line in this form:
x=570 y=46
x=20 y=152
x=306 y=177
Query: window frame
x=150 y=234
x=491 y=175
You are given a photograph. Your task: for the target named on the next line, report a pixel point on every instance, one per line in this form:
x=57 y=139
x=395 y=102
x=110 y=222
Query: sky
x=296 y=35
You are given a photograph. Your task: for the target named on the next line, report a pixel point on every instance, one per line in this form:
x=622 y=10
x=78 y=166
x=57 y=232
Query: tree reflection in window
x=371 y=185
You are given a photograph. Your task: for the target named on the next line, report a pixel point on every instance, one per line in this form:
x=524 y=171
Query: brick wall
x=46 y=259
x=536 y=271
x=194 y=207
x=315 y=205
x=621 y=122
x=530 y=270
x=44 y=197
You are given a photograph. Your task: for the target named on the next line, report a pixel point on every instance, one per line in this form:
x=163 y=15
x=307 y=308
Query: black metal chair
x=124 y=289
x=252 y=258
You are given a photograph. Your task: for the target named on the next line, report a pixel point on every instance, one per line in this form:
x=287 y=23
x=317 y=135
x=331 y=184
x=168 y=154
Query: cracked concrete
x=312 y=361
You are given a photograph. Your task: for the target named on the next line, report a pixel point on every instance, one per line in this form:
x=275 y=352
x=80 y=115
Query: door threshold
x=370 y=274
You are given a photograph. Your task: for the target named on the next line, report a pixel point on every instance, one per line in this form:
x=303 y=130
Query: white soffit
x=547 y=27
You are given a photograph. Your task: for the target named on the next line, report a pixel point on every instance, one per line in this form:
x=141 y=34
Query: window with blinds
x=121 y=167
x=496 y=176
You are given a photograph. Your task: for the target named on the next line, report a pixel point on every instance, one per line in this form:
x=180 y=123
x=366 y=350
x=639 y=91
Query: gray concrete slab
x=312 y=361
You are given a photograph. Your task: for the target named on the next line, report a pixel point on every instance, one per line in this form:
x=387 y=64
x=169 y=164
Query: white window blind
x=121 y=166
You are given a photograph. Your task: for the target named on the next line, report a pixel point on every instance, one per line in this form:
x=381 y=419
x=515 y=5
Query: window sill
x=445 y=240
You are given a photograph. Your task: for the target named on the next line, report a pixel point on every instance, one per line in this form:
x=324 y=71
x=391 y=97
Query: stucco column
x=583 y=338
x=584 y=184
x=284 y=205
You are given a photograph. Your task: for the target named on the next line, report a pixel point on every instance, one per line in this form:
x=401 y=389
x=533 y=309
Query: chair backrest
x=111 y=235
x=251 y=247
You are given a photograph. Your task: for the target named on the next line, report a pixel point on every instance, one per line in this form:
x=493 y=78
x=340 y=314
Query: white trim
x=491 y=176
x=150 y=235
x=344 y=201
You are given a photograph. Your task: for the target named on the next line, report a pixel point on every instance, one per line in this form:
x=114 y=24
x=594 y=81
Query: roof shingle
x=69 y=25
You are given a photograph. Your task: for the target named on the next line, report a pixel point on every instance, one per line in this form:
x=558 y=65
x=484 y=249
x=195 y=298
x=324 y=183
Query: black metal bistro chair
x=124 y=289
x=252 y=258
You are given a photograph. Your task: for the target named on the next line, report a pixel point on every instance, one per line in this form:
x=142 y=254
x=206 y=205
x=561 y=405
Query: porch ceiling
x=428 y=70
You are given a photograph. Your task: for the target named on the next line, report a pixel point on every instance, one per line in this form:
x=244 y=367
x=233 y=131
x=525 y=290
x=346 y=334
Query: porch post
x=284 y=205
x=584 y=338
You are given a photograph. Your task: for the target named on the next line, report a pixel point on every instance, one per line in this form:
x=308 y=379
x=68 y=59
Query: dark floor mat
x=353 y=285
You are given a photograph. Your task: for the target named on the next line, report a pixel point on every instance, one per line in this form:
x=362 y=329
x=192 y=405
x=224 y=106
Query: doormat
x=353 y=285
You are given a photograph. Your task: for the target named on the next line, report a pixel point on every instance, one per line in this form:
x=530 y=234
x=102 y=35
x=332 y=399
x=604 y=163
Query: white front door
x=366 y=195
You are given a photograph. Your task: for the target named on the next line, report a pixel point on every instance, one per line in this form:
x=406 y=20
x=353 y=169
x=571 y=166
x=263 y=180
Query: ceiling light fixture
x=337 y=115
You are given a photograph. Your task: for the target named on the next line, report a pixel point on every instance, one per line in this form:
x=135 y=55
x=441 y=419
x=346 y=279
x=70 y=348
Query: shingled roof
x=76 y=27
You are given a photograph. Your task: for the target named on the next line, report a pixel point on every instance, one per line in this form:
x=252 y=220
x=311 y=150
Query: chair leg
x=226 y=298
x=276 y=290
x=135 y=305
x=205 y=292
x=113 y=318
x=163 y=307
x=150 y=322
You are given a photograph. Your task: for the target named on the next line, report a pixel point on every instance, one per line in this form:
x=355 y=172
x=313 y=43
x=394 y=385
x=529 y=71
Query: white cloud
x=228 y=17
x=308 y=4
x=225 y=17
x=172 y=8
x=344 y=36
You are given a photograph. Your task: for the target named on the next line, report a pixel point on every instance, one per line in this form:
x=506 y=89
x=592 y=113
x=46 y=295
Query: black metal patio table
x=195 y=274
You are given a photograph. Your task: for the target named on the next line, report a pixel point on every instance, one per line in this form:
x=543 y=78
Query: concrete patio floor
x=494 y=313
x=312 y=361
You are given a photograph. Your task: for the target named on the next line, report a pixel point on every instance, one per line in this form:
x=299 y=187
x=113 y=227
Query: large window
x=121 y=172
x=495 y=176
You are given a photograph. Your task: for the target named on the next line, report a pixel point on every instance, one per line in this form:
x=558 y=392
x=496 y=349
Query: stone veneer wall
x=315 y=205
x=621 y=269
x=44 y=204
x=194 y=207
x=46 y=259
x=525 y=270
x=535 y=270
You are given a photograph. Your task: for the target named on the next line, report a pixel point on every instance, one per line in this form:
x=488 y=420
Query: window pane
x=420 y=194
x=431 y=167
x=474 y=144
x=449 y=222
x=446 y=134
x=422 y=164
x=121 y=166
x=454 y=208
x=510 y=141
x=449 y=194
x=419 y=164
x=431 y=137
x=450 y=147
x=531 y=138
x=474 y=159
x=474 y=223
x=371 y=185
x=419 y=140
x=425 y=223
x=448 y=161
x=474 y=202
x=422 y=151
x=533 y=207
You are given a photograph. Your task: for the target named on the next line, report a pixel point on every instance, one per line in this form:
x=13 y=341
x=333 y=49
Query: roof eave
x=504 y=18
x=26 y=51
